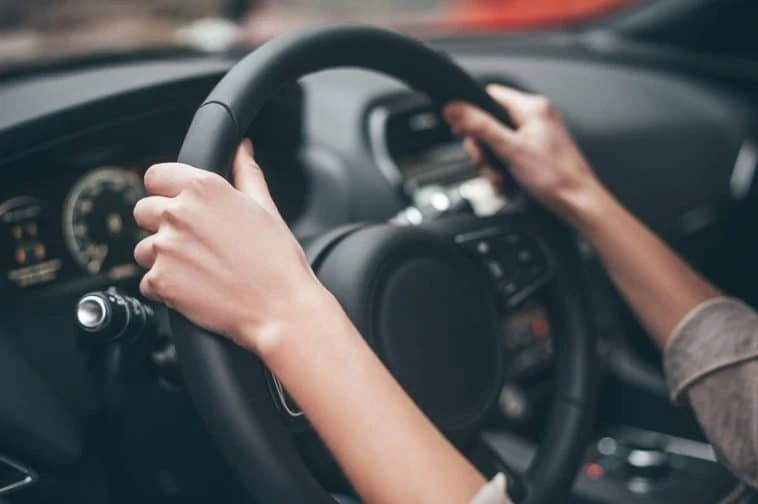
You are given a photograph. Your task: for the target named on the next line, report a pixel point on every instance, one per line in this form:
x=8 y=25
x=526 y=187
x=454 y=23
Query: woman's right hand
x=541 y=154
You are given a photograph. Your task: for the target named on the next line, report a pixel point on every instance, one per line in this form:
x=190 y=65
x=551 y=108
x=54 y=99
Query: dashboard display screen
x=66 y=221
x=98 y=225
x=414 y=144
x=77 y=225
x=26 y=250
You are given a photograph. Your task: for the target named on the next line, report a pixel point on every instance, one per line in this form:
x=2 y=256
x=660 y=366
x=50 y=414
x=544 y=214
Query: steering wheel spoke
x=517 y=262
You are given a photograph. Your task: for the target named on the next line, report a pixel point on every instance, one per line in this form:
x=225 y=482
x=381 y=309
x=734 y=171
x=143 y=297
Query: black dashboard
x=66 y=221
x=340 y=147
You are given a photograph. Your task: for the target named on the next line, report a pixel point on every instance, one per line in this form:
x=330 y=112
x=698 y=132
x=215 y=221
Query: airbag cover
x=428 y=313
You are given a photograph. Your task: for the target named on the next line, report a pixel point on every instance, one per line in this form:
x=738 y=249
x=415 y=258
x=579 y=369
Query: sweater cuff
x=493 y=492
x=716 y=334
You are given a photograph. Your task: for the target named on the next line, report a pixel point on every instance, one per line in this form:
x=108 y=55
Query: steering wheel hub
x=428 y=312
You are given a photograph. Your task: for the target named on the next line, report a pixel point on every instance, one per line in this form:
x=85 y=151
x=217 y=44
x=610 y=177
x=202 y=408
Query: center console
x=629 y=465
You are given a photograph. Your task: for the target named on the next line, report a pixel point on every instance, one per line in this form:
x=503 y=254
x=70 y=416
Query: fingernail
x=247 y=145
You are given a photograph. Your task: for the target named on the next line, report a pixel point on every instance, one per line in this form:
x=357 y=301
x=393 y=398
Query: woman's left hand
x=222 y=255
x=224 y=258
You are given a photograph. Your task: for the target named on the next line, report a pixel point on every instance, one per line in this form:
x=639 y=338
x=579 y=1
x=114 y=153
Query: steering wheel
x=419 y=295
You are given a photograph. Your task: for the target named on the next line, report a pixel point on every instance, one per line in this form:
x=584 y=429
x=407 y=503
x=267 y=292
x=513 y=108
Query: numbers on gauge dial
x=98 y=224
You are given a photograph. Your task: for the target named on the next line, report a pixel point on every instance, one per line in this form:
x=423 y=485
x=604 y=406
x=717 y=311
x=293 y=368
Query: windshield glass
x=53 y=29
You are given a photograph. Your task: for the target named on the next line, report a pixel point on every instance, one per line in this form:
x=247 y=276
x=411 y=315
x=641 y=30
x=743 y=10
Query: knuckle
x=167 y=242
x=174 y=213
x=146 y=286
x=158 y=283
x=203 y=182
x=160 y=244
x=479 y=126
x=543 y=106
x=151 y=175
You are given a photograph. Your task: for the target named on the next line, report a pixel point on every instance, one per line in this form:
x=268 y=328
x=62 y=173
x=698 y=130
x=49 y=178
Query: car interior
x=568 y=399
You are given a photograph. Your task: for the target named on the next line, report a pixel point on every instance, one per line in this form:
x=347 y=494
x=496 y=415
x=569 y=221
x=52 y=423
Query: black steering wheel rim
x=229 y=385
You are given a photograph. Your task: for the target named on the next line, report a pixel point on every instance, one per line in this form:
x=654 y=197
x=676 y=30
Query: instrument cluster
x=69 y=229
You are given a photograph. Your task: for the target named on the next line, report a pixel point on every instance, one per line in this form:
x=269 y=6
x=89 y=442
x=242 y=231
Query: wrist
x=309 y=309
x=586 y=208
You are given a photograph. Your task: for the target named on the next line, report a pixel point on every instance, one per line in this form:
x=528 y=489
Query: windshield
x=54 y=29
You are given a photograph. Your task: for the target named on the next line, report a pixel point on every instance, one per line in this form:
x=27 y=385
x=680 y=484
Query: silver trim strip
x=283 y=400
x=377 y=134
x=744 y=169
x=28 y=477
x=690 y=448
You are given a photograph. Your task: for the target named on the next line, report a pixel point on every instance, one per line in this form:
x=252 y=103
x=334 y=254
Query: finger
x=517 y=103
x=169 y=179
x=495 y=177
x=149 y=212
x=473 y=150
x=471 y=121
x=148 y=289
x=249 y=178
x=145 y=252
x=477 y=156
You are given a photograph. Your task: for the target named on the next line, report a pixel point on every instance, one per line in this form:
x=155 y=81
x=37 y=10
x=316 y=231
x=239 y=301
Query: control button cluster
x=516 y=262
x=633 y=465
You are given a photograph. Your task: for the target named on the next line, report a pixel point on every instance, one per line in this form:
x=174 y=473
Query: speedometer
x=98 y=223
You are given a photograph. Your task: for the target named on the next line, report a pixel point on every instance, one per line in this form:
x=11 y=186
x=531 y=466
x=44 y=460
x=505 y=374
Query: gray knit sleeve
x=711 y=363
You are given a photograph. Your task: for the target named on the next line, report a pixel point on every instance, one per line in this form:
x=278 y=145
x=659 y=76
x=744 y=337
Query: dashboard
x=66 y=222
x=342 y=147
x=71 y=226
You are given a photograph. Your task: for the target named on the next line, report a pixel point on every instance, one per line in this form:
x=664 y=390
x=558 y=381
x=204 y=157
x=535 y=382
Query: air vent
x=413 y=146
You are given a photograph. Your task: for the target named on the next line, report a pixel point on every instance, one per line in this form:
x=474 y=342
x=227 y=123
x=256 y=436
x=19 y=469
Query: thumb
x=249 y=178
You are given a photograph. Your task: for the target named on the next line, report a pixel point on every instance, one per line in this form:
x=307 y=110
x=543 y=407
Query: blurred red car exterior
x=424 y=17
x=493 y=14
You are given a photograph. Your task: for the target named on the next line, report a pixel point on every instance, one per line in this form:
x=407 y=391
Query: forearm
x=712 y=359
x=388 y=449
x=659 y=286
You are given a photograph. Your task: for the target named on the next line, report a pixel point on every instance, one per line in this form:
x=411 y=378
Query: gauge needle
x=98 y=253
